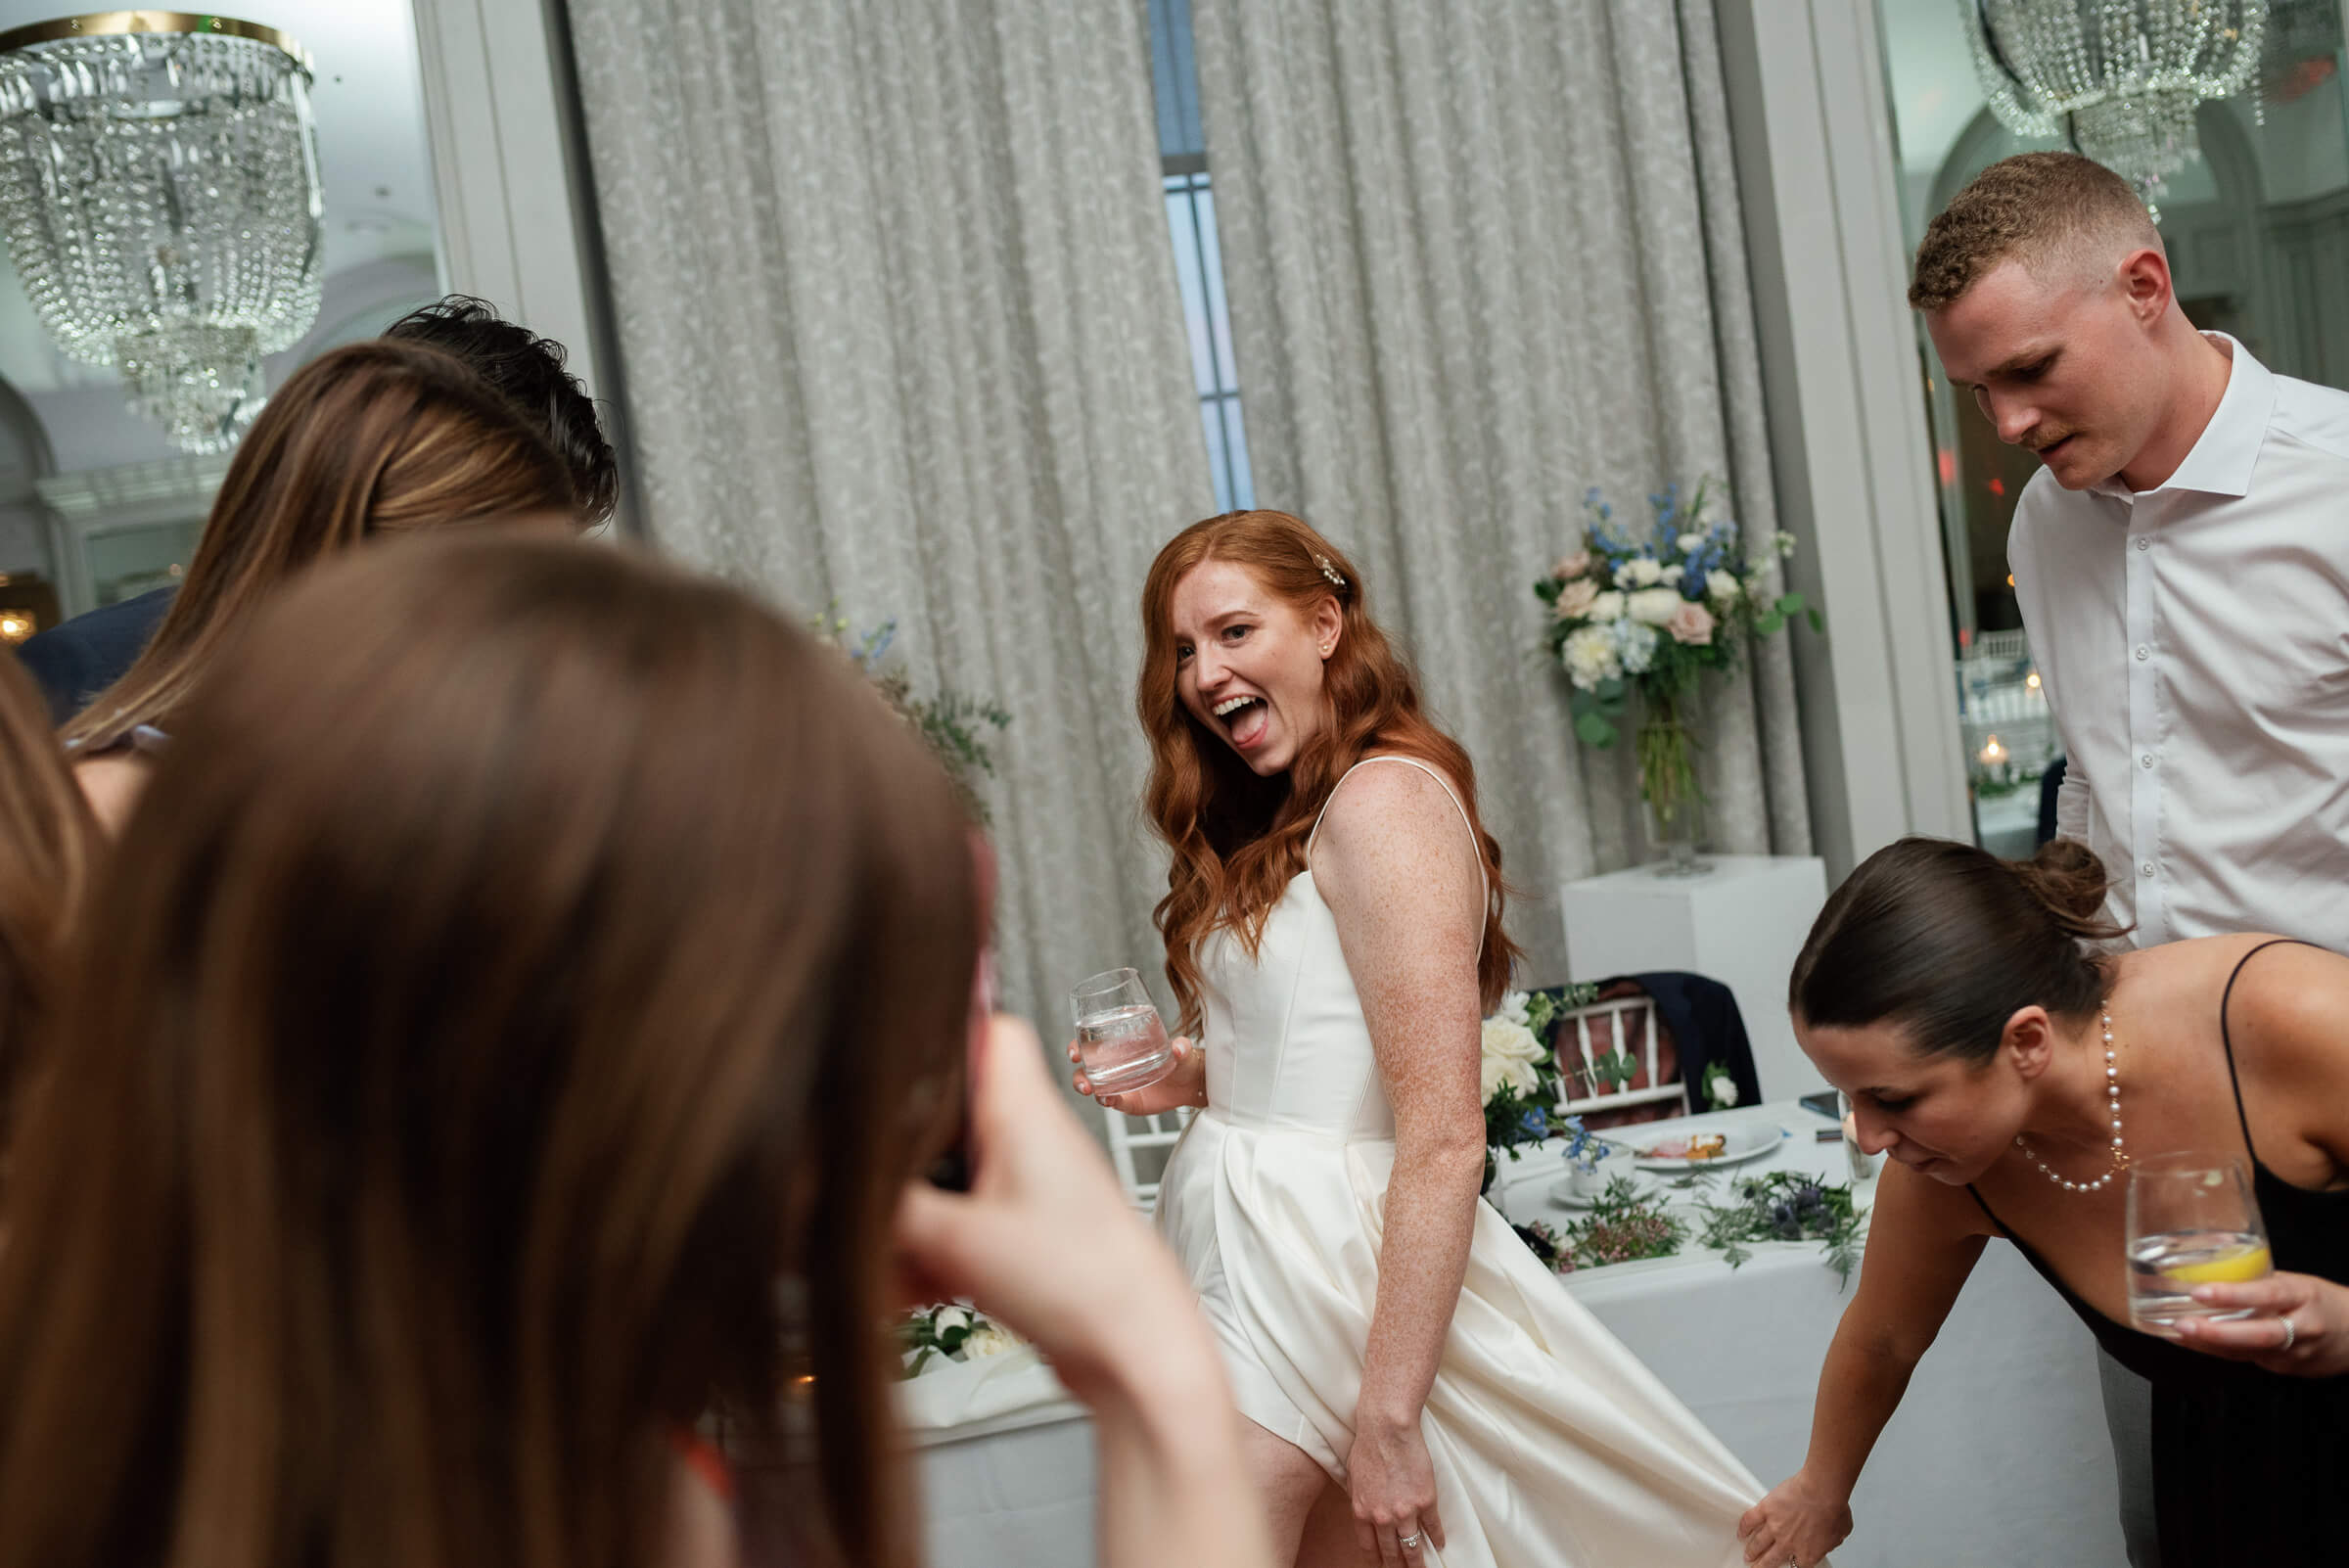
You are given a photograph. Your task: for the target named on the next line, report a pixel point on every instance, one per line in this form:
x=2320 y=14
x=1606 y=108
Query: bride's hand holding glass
x=1185 y=1083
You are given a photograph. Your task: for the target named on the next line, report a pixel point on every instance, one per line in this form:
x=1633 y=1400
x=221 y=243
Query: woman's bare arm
x=1401 y=874
x=1922 y=1241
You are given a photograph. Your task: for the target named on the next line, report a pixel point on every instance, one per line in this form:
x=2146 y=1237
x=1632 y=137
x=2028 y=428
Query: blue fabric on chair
x=1706 y=1026
x=76 y=660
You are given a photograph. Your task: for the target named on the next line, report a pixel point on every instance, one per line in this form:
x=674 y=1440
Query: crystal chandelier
x=159 y=187
x=2120 y=77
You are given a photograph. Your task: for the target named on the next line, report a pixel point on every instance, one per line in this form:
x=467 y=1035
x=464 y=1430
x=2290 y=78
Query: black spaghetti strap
x=1980 y=1203
x=2227 y=1039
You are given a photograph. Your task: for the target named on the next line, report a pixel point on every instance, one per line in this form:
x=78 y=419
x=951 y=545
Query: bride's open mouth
x=1244 y=720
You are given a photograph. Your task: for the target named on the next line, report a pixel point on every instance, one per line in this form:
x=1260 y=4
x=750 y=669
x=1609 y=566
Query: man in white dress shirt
x=2181 y=563
x=2182 y=566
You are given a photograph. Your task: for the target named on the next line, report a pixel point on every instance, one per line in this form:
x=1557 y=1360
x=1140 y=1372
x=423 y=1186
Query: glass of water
x=2192 y=1220
x=1121 y=1041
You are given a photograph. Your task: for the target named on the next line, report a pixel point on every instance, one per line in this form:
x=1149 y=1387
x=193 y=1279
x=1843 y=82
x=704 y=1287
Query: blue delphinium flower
x=876 y=644
x=1582 y=1149
x=1668 y=512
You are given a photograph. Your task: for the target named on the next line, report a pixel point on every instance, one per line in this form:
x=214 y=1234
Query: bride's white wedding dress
x=1553 y=1445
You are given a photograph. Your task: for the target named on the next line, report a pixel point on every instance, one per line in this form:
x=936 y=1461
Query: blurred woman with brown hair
x=1333 y=930
x=46 y=838
x=378 y=437
x=526 y=998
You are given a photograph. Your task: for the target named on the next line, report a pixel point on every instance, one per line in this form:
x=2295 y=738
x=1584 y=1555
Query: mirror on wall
x=2257 y=227
x=100 y=500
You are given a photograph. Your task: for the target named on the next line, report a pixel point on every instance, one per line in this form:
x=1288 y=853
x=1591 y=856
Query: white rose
x=1608 y=606
x=1518 y=1075
x=1640 y=572
x=1509 y=1053
x=1690 y=543
x=1513 y=1007
x=1672 y=576
x=1724 y=1092
x=990 y=1339
x=1588 y=655
x=945 y=1319
x=1654 y=607
x=1722 y=587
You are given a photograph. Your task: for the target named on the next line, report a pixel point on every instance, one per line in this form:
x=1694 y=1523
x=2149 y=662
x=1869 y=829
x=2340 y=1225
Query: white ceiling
x=371 y=155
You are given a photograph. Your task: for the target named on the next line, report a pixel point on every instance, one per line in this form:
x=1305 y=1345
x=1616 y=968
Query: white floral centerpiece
x=961 y=1368
x=1524 y=1086
x=1645 y=614
x=935 y=1338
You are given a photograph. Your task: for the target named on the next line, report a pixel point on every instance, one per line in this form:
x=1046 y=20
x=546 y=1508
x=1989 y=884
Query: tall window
x=1198 y=258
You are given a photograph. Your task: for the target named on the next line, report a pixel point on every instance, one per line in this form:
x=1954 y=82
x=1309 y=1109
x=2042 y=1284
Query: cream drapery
x=1481 y=258
x=900 y=334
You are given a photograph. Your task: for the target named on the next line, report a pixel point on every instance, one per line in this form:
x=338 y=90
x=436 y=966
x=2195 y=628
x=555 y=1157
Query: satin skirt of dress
x=1553 y=1445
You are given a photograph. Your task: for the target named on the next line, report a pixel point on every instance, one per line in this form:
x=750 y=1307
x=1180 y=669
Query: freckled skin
x=1401 y=875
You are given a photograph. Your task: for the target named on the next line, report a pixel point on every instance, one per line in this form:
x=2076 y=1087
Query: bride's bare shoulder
x=1395 y=819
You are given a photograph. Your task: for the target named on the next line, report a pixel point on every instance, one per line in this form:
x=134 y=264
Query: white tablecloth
x=1996 y=1456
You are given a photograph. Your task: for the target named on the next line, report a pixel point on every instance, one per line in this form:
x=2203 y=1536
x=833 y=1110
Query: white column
x=1847 y=411
x=510 y=173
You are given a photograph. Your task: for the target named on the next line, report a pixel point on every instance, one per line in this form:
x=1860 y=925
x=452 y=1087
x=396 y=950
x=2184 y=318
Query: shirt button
x=2146 y=759
x=2145 y=871
x=2143 y=544
x=2144 y=651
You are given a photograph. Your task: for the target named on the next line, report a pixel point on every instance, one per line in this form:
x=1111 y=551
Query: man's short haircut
x=2047 y=210
x=526 y=371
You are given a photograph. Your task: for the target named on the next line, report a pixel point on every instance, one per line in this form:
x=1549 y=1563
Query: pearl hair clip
x=1328 y=571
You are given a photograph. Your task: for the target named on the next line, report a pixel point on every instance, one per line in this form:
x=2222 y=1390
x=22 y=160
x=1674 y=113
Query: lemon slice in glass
x=2250 y=1261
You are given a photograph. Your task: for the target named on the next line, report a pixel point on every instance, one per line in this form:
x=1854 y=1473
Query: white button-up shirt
x=2194 y=643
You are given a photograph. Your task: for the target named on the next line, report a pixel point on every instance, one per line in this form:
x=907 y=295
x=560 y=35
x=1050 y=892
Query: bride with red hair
x=1421 y=1391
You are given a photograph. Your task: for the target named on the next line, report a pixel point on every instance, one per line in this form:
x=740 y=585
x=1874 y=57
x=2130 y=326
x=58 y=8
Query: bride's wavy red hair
x=1239 y=840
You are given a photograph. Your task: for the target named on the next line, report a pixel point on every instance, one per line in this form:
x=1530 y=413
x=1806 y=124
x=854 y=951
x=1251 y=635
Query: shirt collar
x=2227 y=450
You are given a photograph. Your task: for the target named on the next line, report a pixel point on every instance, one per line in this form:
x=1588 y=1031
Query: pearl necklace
x=2112 y=1090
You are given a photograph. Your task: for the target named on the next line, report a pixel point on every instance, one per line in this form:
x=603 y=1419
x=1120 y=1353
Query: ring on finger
x=1409 y=1542
x=2291 y=1332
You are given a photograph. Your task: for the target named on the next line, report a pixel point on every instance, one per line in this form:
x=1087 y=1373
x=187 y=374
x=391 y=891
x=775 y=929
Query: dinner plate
x=1745 y=1136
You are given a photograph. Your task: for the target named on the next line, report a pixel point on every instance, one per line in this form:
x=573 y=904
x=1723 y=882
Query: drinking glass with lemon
x=2192 y=1220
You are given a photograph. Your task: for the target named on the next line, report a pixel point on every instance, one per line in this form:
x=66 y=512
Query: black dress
x=2249 y=1466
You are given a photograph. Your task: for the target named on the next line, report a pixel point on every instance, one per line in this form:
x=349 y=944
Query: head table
x=1998 y=1454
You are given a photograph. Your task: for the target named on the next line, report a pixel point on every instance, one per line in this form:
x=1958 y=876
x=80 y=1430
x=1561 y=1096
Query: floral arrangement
x=1523 y=1086
x=1646 y=613
x=1785 y=1206
x=937 y=1337
x=1621 y=1227
x=952 y=725
x=1720 y=1086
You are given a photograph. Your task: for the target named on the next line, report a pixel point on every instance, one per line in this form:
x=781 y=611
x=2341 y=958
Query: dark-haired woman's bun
x=2065 y=876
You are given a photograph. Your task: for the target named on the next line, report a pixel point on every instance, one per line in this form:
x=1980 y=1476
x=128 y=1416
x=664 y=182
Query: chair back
x=1133 y=1135
x=1632 y=1026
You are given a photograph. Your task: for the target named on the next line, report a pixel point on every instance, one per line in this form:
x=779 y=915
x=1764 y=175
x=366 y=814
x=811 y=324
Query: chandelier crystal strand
x=2121 y=78
x=159 y=189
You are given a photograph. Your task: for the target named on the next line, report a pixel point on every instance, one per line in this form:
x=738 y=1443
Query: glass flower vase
x=1666 y=742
